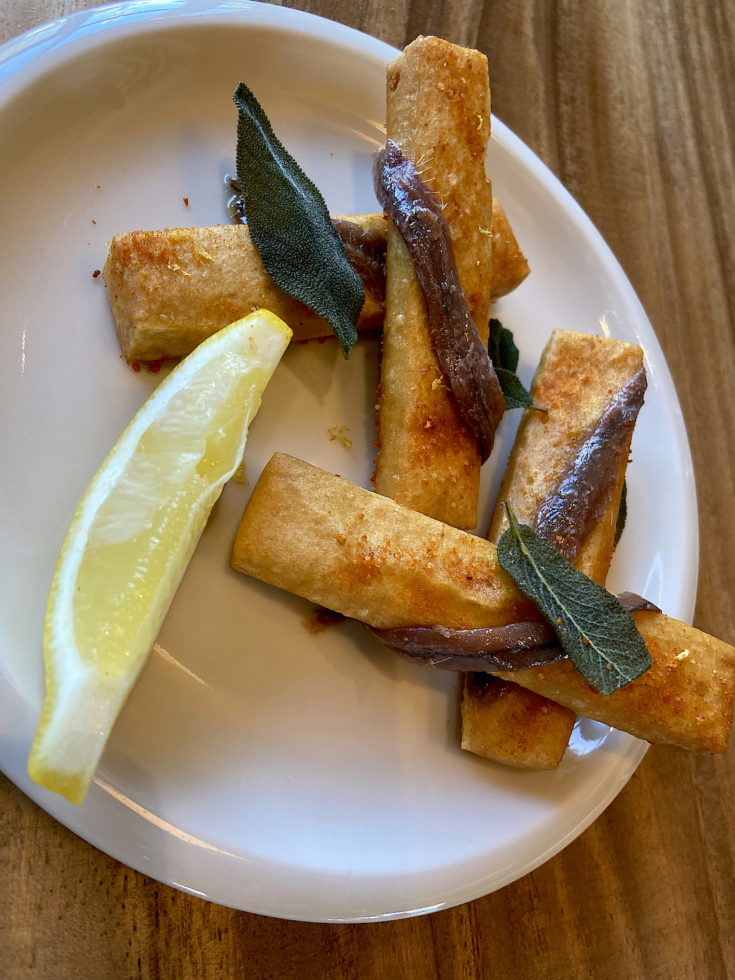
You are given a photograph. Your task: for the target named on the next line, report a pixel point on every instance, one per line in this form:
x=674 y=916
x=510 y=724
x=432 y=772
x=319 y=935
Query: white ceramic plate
x=310 y=777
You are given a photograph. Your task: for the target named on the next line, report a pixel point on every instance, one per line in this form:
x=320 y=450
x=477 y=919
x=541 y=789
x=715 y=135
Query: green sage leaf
x=504 y=355
x=514 y=394
x=501 y=346
x=599 y=635
x=290 y=225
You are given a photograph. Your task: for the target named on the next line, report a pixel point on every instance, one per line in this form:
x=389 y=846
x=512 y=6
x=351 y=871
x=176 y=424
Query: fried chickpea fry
x=438 y=113
x=365 y=556
x=574 y=379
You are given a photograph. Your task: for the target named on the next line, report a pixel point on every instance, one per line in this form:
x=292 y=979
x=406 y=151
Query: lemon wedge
x=131 y=539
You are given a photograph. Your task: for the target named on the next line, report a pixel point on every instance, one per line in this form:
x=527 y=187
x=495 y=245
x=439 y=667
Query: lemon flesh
x=132 y=537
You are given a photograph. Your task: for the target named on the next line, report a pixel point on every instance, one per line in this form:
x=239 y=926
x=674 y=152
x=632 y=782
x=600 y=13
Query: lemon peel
x=132 y=537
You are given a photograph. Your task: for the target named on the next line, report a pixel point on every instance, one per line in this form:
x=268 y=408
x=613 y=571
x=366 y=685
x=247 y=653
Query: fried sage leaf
x=514 y=394
x=290 y=225
x=504 y=355
x=501 y=346
x=599 y=635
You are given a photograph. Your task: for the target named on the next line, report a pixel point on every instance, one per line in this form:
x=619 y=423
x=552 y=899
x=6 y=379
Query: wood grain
x=630 y=104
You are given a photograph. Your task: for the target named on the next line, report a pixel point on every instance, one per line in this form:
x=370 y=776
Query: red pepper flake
x=96 y=273
x=155 y=366
x=135 y=365
x=186 y=201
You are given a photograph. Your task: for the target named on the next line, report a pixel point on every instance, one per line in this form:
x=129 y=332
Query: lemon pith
x=132 y=537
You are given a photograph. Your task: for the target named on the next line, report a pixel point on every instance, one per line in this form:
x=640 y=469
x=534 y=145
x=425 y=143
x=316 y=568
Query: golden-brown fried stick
x=509 y=264
x=367 y=557
x=438 y=113
x=575 y=379
x=171 y=289
x=380 y=562
x=576 y=375
x=509 y=724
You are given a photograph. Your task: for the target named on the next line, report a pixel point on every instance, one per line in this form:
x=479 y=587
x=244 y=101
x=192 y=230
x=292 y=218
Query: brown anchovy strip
x=365 y=248
x=417 y=213
x=515 y=647
x=567 y=515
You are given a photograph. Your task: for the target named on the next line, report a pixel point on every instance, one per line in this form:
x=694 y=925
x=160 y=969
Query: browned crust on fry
x=576 y=376
x=574 y=381
x=508 y=724
x=379 y=562
x=686 y=702
x=367 y=557
x=510 y=266
x=438 y=112
x=171 y=289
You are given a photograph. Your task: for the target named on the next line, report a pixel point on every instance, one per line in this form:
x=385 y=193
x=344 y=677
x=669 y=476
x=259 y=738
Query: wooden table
x=630 y=104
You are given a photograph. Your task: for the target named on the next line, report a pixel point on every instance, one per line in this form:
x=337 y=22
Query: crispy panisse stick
x=367 y=557
x=438 y=113
x=378 y=561
x=509 y=264
x=508 y=724
x=575 y=378
x=171 y=289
